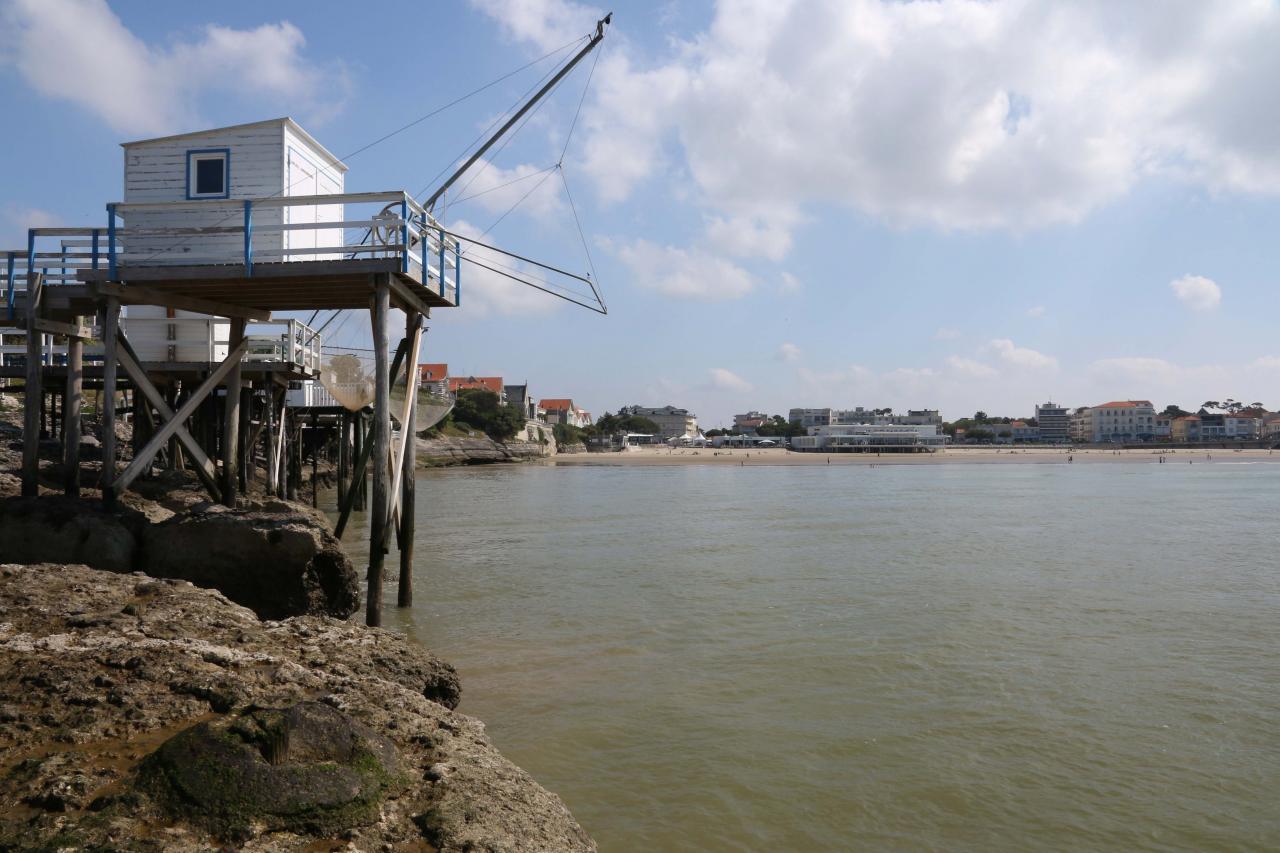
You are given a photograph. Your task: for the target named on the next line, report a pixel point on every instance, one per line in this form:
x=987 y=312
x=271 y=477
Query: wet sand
x=950 y=456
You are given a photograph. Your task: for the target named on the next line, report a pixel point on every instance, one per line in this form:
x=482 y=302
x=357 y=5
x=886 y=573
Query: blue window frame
x=209 y=173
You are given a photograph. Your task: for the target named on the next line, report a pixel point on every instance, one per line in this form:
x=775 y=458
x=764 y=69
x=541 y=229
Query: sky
x=955 y=205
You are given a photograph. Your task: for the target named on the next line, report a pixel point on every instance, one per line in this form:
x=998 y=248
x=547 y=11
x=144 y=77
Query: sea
x=937 y=657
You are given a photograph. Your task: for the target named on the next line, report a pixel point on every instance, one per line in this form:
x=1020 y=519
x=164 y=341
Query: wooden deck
x=279 y=286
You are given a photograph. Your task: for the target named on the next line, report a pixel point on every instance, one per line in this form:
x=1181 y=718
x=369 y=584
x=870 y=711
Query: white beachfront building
x=854 y=438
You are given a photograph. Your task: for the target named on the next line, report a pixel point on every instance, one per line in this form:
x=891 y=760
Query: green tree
x=481 y=410
x=979 y=417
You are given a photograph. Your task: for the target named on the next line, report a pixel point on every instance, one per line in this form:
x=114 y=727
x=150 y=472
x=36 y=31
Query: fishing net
x=429 y=411
x=349 y=378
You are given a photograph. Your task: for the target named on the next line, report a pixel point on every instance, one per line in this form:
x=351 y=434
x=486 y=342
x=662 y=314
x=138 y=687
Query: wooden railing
x=245 y=232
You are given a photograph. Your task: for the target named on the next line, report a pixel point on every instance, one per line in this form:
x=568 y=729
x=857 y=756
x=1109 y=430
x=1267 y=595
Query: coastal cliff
x=441 y=451
x=144 y=714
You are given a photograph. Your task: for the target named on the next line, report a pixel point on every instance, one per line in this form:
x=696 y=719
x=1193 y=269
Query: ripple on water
x=910 y=658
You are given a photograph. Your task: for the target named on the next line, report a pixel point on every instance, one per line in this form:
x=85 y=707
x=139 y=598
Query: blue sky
x=945 y=204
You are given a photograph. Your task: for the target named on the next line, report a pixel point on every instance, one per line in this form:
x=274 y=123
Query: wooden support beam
x=133 y=294
x=142 y=384
x=143 y=458
x=71 y=412
x=66 y=330
x=231 y=428
x=406 y=431
x=408 y=459
x=110 y=328
x=34 y=393
x=404 y=296
x=378 y=309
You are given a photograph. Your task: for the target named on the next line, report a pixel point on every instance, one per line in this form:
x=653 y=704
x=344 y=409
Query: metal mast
x=590 y=46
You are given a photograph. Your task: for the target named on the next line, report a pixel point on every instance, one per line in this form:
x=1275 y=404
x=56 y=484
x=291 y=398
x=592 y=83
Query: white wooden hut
x=264 y=159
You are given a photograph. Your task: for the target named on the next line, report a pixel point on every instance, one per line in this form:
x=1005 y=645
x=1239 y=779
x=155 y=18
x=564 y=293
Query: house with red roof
x=434 y=378
x=483 y=383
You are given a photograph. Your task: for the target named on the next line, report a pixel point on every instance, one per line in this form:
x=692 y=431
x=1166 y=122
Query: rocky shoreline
x=144 y=714
x=217 y=700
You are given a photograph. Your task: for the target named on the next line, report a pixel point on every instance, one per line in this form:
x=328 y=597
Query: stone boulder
x=60 y=530
x=124 y=699
x=272 y=558
x=308 y=768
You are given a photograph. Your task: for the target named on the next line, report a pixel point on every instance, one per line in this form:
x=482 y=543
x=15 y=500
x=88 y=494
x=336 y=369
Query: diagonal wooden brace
x=174 y=425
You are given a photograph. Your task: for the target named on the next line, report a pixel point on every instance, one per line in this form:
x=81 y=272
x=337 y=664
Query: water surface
x=894 y=658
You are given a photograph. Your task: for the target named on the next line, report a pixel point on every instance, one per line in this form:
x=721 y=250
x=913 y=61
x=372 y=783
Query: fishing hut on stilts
x=172 y=298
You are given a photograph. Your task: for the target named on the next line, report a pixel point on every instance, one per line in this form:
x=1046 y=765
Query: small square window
x=207 y=174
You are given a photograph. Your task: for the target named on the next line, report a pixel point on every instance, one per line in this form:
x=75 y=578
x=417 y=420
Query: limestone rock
x=60 y=530
x=99 y=670
x=272 y=558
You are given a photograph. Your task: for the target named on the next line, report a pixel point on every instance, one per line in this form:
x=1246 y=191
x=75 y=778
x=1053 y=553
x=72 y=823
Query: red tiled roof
x=487 y=383
x=433 y=372
x=1124 y=404
x=556 y=404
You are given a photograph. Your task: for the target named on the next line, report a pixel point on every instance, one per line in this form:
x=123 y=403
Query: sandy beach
x=950 y=456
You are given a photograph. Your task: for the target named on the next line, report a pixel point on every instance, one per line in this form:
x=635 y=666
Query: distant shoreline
x=950 y=456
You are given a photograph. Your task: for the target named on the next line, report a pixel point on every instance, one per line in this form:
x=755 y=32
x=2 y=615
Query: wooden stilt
x=269 y=417
x=243 y=455
x=413 y=333
x=358 y=474
x=344 y=456
x=71 y=411
x=231 y=430
x=110 y=325
x=378 y=310
x=34 y=392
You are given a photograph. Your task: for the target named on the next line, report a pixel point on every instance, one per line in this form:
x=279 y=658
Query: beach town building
x=434 y=378
x=1120 y=421
x=480 y=383
x=1081 y=429
x=518 y=396
x=1271 y=427
x=1164 y=426
x=563 y=411
x=750 y=422
x=672 y=422
x=1020 y=432
x=864 y=438
x=1207 y=426
x=1055 y=423
x=809 y=418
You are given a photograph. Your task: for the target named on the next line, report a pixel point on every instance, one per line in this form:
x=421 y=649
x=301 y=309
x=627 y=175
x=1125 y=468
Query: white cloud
x=80 y=51
x=766 y=237
x=691 y=273
x=16 y=219
x=789 y=352
x=946 y=334
x=1267 y=362
x=1021 y=356
x=546 y=23
x=790 y=284
x=955 y=114
x=970 y=367
x=1037 y=311
x=723 y=379
x=1197 y=292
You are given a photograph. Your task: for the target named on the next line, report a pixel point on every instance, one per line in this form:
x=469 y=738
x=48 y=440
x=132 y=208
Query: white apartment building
x=864 y=438
x=810 y=418
x=1054 y=421
x=1118 y=422
x=673 y=422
